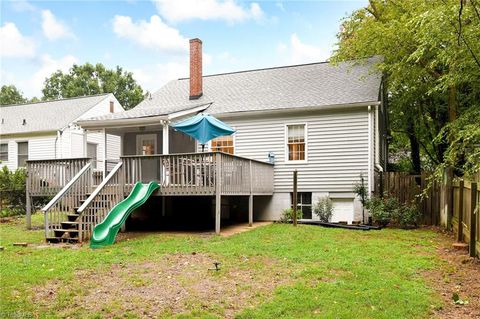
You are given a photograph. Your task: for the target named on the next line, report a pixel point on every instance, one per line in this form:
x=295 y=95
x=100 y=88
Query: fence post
x=460 y=212
x=294 y=199
x=473 y=221
x=28 y=204
x=449 y=197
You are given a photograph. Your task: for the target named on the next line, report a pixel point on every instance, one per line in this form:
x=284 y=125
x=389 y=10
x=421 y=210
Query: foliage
x=362 y=192
x=287 y=215
x=12 y=191
x=431 y=78
x=323 y=208
x=387 y=210
x=9 y=94
x=91 y=79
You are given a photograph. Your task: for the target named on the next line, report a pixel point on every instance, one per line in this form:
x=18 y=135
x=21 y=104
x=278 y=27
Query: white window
x=146 y=144
x=22 y=154
x=223 y=144
x=296 y=143
x=3 y=152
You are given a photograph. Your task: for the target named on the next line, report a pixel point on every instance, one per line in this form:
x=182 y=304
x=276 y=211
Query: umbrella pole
x=203 y=148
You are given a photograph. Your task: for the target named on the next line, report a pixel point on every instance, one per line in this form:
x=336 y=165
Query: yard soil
x=459 y=274
x=178 y=283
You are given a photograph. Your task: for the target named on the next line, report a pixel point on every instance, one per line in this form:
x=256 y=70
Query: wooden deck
x=80 y=202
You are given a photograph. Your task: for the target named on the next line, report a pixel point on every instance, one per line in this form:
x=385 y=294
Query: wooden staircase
x=68 y=233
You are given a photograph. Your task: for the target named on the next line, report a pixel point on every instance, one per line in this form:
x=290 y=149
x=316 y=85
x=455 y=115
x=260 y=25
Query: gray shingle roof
x=45 y=116
x=298 y=86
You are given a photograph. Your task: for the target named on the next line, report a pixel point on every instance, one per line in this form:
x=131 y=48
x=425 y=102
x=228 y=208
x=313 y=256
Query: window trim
x=147 y=135
x=18 y=153
x=286 y=143
x=209 y=143
x=7 y=153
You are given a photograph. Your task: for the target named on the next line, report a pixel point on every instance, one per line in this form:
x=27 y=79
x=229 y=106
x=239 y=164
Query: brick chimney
x=196 y=89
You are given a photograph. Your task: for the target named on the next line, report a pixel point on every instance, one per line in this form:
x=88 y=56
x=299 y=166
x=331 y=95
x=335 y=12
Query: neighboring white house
x=46 y=130
x=326 y=121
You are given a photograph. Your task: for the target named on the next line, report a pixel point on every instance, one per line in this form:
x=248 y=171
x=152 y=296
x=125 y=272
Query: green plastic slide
x=104 y=233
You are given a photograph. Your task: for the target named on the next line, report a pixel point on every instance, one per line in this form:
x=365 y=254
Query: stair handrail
x=99 y=188
x=65 y=188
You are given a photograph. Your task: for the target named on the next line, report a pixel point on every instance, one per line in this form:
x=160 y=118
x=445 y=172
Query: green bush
x=287 y=215
x=388 y=210
x=323 y=208
x=12 y=191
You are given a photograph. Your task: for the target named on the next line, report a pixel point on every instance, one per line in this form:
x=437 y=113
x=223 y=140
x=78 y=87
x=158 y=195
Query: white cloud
x=22 y=6
x=153 y=34
x=154 y=77
x=54 y=29
x=280 y=6
x=227 y=10
x=48 y=66
x=14 y=44
x=301 y=52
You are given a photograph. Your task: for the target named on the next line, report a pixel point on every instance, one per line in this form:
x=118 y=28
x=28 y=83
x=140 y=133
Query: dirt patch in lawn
x=178 y=283
x=459 y=274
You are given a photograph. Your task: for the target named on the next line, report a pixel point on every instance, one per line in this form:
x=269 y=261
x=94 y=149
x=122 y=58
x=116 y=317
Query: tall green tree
x=91 y=79
x=430 y=53
x=9 y=94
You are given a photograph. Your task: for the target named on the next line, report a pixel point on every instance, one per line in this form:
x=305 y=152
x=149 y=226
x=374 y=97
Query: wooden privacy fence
x=458 y=203
x=466 y=214
x=407 y=189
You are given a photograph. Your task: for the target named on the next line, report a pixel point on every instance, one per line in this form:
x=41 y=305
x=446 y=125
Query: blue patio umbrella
x=203 y=128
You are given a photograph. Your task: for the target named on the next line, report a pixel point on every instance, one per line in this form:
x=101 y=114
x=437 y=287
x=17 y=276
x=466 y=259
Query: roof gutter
x=295 y=110
x=98 y=124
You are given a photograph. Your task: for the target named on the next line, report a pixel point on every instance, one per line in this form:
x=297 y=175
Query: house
x=47 y=130
x=325 y=121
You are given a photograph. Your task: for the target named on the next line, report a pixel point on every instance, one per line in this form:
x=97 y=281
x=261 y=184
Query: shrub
x=380 y=215
x=388 y=210
x=12 y=191
x=407 y=216
x=287 y=215
x=324 y=209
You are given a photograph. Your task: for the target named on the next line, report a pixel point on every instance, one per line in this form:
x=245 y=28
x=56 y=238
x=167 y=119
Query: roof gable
x=45 y=116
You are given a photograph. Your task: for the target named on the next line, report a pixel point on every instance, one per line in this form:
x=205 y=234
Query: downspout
x=370 y=162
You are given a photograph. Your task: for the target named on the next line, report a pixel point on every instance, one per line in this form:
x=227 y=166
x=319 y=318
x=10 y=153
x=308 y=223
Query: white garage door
x=342 y=210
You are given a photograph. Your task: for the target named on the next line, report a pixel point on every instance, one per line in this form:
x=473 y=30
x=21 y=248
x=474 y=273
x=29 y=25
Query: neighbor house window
x=3 y=152
x=223 y=144
x=296 y=142
x=22 y=154
x=304 y=203
x=112 y=107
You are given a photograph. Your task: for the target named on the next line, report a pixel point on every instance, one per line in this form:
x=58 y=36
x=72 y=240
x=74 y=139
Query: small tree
x=324 y=209
x=361 y=190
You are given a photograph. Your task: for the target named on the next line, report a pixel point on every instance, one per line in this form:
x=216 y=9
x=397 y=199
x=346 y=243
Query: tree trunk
x=414 y=148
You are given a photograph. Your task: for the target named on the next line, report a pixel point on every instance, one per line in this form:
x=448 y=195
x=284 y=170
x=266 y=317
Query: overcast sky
x=150 y=38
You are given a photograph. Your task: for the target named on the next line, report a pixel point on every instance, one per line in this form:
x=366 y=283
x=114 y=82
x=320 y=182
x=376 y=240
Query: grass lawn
x=276 y=271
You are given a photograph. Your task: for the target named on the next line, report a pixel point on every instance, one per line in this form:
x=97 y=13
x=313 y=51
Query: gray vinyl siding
x=337 y=148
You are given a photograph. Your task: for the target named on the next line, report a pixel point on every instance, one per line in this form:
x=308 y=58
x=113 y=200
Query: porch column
x=165 y=138
x=85 y=143
x=104 y=153
x=28 y=204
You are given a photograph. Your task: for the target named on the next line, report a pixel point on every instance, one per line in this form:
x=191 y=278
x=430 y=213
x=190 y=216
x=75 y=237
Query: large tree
x=91 y=79
x=9 y=94
x=430 y=53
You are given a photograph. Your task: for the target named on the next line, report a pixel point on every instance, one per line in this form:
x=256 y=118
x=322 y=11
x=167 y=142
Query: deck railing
x=96 y=207
x=67 y=199
x=48 y=177
x=200 y=173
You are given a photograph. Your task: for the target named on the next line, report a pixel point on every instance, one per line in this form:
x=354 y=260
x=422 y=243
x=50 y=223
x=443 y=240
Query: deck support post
x=29 y=209
x=218 y=192
x=250 y=210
